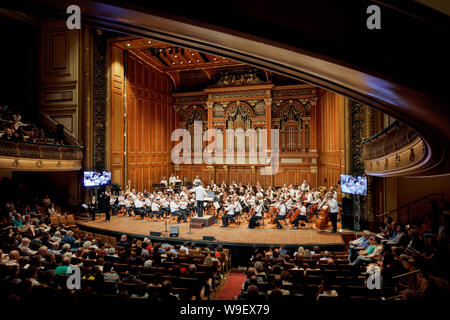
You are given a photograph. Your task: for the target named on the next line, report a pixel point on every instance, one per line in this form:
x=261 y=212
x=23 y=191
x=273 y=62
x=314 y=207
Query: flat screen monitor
x=354 y=184
x=96 y=178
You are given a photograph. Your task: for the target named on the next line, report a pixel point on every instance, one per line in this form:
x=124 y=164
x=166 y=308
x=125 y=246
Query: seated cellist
x=282 y=214
x=257 y=216
x=302 y=216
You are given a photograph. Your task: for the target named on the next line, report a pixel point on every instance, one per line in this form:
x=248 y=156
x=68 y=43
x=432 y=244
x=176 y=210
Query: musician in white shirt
x=200 y=194
x=334 y=209
x=139 y=207
x=304 y=186
x=172 y=180
x=163 y=181
x=281 y=215
x=301 y=216
x=165 y=206
x=175 y=211
x=196 y=181
x=229 y=214
x=257 y=215
x=156 y=212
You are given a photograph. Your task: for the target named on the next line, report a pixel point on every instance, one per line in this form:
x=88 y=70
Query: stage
x=230 y=236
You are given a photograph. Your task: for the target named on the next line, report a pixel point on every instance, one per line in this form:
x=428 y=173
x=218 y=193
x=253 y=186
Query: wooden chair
x=62 y=220
x=54 y=221
x=70 y=221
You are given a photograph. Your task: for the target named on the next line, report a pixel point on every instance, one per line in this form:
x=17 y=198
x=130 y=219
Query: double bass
x=322 y=218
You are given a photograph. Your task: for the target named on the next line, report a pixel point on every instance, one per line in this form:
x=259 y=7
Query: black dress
x=92 y=208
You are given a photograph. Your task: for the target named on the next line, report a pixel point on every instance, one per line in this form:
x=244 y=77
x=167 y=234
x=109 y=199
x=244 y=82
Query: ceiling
x=192 y=70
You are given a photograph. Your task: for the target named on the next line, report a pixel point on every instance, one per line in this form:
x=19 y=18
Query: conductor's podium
x=202 y=222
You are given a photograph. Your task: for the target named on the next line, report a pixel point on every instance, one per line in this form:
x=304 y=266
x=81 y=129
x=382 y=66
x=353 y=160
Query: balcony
x=29 y=156
x=396 y=150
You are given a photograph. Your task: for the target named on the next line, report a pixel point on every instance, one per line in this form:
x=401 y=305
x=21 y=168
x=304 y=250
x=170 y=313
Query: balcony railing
x=389 y=140
x=39 y=156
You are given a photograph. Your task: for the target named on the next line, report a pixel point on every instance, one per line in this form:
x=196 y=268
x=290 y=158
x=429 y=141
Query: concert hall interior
x=244 y=140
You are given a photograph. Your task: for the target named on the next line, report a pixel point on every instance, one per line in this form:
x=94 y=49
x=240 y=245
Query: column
x=370 y=130
x=268 y=121
x=209 y=105
x=313 y=126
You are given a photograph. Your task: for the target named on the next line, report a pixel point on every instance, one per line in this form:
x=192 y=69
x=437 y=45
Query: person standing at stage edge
x=200 y=194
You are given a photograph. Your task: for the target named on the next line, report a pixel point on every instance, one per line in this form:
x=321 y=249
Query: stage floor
x=232 y=235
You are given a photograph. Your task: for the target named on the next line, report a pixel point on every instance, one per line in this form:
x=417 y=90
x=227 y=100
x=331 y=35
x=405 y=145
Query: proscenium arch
x=361 y=83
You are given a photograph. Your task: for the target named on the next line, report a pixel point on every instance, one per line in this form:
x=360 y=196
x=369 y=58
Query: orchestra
x=286 y=207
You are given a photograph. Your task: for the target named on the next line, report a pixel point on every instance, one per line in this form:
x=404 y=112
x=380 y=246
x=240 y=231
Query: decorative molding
x=237 y=94
x=238 y=78
x=357 y=137
x=293 y=92
x=99 y=101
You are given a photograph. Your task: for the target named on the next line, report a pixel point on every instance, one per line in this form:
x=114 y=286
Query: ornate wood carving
x=357 y=137
x=99 y=103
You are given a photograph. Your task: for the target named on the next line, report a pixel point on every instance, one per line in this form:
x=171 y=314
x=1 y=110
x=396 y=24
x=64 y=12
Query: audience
x=12 y=128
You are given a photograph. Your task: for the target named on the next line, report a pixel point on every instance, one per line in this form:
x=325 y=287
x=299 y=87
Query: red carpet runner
x=232 y=286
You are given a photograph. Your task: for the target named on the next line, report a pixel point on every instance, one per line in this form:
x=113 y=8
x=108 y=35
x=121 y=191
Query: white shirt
x=163 y=182
x=164 y=203
x=196 y=181
x=258 y=210
x=173 y=207
x=303 y=211
x=155 y=206
x=172 y=179
x=282 y=210
x=138 y=203
x=309 y=197
x=183 y=204
x=304 y=187
x=148 y=202
x=333 y=205
x=230 y=210
x=288 y=204
x=200 y=193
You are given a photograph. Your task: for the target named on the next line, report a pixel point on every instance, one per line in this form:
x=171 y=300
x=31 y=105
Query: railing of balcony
x=37 y=150
x=387 y=141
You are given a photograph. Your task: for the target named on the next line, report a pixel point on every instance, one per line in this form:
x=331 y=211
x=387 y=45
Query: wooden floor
x=233 y=234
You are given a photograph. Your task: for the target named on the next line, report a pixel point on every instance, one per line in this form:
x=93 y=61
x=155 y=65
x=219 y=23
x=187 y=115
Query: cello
x=322 y=218
x=273 y=212
x=293 y=214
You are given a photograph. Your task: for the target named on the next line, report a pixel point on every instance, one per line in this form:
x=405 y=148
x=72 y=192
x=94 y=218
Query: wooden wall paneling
x=59 y=80
x=117 y=115
x=148 y=122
